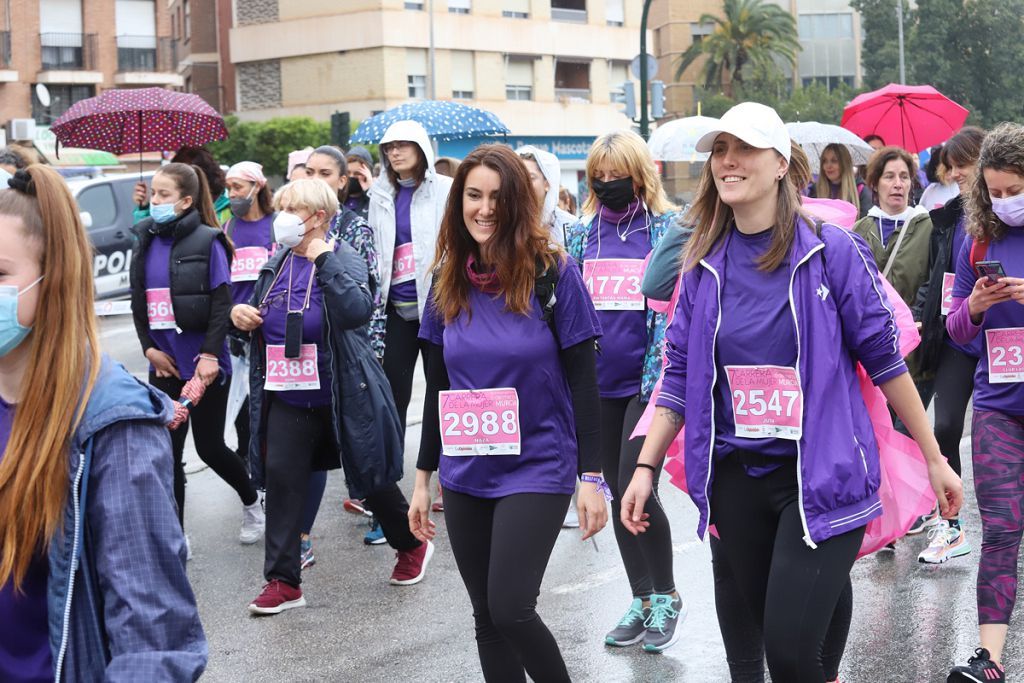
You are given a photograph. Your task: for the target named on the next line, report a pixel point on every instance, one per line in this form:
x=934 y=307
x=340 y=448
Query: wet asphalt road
x=911 y=621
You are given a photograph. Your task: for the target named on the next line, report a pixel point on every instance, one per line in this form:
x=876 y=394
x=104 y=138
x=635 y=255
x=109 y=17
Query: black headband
x=22 y=182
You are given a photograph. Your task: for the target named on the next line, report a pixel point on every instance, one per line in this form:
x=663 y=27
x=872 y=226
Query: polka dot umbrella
x=442 y=120
x=139 y=120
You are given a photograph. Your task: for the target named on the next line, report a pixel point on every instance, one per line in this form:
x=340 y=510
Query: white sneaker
x=572 y=517
x=188 y=549
x=254 y=523
x=945 y=543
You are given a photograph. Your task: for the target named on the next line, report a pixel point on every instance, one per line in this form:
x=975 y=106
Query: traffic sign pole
x=645 y=125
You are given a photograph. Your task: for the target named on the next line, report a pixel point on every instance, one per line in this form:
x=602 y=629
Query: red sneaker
x=411 y=565
x=356 y=507
x=276 y=597
x=438 y=505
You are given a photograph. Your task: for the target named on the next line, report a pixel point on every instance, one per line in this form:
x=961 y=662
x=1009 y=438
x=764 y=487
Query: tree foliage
x=880 y=54
x=750 y=36
x=269 y=142
x=814 y=102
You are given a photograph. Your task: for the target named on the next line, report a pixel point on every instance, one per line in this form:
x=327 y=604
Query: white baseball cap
x=756 y=124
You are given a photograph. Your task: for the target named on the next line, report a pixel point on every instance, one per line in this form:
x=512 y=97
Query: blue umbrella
x=442 y=120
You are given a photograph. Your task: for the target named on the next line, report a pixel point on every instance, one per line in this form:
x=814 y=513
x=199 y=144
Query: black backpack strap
x=544 y=287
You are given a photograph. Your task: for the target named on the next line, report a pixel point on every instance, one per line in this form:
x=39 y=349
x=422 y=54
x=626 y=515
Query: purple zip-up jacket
x=842 y=316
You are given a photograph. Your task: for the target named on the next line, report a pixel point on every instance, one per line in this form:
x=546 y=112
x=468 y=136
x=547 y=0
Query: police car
x=106 y=208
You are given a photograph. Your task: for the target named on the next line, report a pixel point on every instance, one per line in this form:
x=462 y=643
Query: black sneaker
x=631 y=629
x=980 y=669
x=666 y=613
x=925 y=522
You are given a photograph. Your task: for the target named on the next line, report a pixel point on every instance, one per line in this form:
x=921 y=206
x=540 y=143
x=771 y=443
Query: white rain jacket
x=558 y=220
x=428 y=203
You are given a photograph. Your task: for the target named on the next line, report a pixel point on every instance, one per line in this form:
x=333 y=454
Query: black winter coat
x=367 y=434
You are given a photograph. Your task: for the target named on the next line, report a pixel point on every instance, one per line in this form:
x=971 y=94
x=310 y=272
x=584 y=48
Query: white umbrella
x=814 y=137
x=676 y=140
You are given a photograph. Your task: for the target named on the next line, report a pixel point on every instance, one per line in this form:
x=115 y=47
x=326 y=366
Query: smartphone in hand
x=993 y=270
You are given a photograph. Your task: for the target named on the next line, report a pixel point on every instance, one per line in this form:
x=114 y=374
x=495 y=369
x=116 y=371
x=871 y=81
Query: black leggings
x=647 y=557
x=789 y=588
x=207 y=419
x=401 y=346
x=742 y=637
x=293 y=436
x=951 y=389
x=502 y=547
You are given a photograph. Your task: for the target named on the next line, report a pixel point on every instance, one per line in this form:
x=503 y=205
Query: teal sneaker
x=307 y=558
x=375 y=536
x=631 y=629
x=662 y=632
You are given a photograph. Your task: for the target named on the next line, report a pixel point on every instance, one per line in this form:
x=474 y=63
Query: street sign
x=652 y=66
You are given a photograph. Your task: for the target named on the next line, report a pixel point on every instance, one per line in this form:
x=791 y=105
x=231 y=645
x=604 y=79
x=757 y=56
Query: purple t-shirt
x=621 y=361
x=24 y=636
x=756 y=329
x=405 y=292
x=975 y=348
x=250 y=234
x=275 y=320
x=185 y=346
x=1005 y=398
x=479 y=356
x=887 y=226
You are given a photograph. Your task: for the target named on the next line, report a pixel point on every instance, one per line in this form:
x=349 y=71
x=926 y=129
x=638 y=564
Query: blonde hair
x=847 y=181
x=63 y=362
x=627 y=151
x=311 y=194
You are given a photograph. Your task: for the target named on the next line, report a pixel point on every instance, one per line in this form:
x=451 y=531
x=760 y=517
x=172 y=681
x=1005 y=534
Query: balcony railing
x=575 y=16
x=68 y=51
x=573 y=94
x=145 y=53
x=5 y=49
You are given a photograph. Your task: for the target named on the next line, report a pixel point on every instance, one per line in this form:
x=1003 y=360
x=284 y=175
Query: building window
x=458 y=6
x=516 y=9
x=61 y=99
x=136 y=35
x=825 y=26
x=830 y=82
x=615 y=15
x=463 y=78
x=574 y=11
x=618 y=73
x=572 y=80
x=698 y=31
x=187 y=28
x=519 y=78
x=416 y=72
x=414 y=4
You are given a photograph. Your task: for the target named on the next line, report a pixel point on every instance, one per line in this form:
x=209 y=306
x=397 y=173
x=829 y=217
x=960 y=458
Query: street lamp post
x=645 y=124
x=899 y=20
x=432 y=91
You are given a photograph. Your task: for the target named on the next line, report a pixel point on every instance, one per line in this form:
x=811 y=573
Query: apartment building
x=200 y=30
x=78 y=48
x=552 y=70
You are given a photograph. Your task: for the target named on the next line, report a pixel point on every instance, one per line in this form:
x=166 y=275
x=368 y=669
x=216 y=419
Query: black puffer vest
x=189 y=267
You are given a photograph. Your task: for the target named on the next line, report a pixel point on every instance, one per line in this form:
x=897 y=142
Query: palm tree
x=752 y=32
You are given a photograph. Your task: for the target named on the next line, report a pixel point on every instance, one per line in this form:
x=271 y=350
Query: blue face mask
x=162 y=213
x=12 y=332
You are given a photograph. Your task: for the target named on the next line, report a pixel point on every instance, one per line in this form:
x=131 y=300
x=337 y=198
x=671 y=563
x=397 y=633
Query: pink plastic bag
x=905 y=491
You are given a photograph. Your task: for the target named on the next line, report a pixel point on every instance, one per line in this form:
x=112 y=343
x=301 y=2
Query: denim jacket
x=119 y=603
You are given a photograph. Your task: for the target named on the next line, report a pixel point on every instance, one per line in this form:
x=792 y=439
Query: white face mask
x=288 y=230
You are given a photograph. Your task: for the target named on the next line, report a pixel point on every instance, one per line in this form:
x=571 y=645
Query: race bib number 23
x=1005 y=355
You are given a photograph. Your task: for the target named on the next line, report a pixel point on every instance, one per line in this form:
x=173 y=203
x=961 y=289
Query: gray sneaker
x=666 y=613
x=631 y=629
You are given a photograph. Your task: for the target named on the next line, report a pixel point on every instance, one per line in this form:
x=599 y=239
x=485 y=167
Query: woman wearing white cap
x=780 y=453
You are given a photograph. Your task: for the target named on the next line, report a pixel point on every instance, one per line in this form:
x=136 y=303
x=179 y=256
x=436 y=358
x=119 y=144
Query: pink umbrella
x=915 y=117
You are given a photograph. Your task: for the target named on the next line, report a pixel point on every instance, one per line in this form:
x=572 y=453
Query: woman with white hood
x=406 y=206
x=899 y=234
x=545 y=175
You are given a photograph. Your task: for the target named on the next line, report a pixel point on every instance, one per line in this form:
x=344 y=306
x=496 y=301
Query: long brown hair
x=847 y=181
x=63 y=362
x=514 y=247
x=191 y=182
x=711 y=218
x=1002 y=150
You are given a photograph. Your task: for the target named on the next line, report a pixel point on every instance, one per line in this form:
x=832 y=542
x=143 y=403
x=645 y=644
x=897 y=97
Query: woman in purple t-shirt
x=502 y=419
x=991 y=308
x=780 y=453
x=181 y=300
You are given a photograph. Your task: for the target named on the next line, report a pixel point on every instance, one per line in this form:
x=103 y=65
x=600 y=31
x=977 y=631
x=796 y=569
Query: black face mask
x=615 y=194
x=354 y=188
x=240 y=207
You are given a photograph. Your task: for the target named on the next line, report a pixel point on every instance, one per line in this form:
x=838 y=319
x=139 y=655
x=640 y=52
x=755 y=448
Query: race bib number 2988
x=480 y=422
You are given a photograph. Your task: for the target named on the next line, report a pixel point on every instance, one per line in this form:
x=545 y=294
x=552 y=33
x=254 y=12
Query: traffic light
x=629 y=100
x=657 y=99
x=340 y=127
